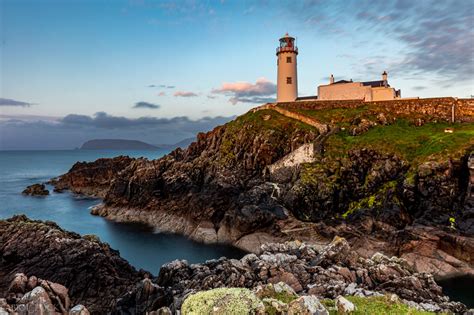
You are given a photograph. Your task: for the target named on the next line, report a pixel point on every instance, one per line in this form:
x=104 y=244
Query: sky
x=161 y=71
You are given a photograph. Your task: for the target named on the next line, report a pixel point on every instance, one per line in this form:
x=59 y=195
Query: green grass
x=340 y=116
x=244 y=129
x=374 y=305
x=276 y=121
x=414 y=144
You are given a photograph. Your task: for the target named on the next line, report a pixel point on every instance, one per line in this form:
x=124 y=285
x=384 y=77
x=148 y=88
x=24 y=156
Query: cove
x=138 y=244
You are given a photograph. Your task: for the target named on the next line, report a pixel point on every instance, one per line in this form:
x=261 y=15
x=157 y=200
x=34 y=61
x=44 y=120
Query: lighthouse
x=287 y=81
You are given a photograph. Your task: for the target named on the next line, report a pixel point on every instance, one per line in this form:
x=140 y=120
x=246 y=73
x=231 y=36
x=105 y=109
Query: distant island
x=123 y=144
x=117 y=144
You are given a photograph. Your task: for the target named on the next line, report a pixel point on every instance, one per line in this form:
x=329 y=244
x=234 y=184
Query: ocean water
x=138 y=244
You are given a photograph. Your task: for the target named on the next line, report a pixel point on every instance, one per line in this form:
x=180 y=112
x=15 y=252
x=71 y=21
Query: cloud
x=10 y=102
x=25 y=132
x=419 y=88
x=246 y=92
x=184 y=94
x=146 y=105
x=436 y=37
x=161 y=94
x=161 y=86
x=103 y=120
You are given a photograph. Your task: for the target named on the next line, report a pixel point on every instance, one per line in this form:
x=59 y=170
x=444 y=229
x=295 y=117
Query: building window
x=288 y=80
x=288 y=59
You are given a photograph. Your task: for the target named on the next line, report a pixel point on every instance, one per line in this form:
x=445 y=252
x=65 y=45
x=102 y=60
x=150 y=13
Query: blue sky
x=62 y=62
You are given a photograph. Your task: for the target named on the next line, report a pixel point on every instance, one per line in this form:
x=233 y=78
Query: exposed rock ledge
x=310 y=271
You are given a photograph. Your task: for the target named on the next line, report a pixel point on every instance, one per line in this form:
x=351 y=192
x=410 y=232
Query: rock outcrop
x=91 y=179
x=93 y=273
x=219 y=189
x=284 y=272
x=36 y=190
x=31 y=295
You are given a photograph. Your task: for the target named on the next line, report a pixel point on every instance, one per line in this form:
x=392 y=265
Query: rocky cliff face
x=94 y=273
x=219 y=189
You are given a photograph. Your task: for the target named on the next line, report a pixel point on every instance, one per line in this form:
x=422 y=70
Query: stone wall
x=441 y=108
x=322 y=128
x=304 y=154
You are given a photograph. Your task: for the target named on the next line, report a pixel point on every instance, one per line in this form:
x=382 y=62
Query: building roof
x=342 y=81
x=378 y=83
x=304 y=98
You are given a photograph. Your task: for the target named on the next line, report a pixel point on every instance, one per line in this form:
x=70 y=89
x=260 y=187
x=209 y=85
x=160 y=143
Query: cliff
x=384 y=175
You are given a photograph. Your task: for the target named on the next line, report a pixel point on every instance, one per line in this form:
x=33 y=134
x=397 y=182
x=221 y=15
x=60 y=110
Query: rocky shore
x=224 y=188
x=45 y=267
x=94 y=273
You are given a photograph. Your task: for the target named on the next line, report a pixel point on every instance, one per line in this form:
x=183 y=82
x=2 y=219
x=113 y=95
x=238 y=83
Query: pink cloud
x=161 y=94
x=247 y=92
x=185 y=94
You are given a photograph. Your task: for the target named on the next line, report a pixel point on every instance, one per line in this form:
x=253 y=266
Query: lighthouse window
x=288 y=59
x=288 y=80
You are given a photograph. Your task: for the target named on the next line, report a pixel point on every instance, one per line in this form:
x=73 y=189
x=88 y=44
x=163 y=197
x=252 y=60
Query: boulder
x=222 y=301
x=344 y=306
x=36 y=301
x=79 y=310
x=36 y=190
x=307 y=305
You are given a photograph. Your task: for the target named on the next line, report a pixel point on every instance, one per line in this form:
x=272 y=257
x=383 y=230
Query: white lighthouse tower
x=287 y=81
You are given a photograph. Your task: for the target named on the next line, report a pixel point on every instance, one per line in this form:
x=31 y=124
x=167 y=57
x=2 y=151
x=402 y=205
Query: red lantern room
x=287 y=44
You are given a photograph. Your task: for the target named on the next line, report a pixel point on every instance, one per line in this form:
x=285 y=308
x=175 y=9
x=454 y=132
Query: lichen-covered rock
x=36 y=190
x=307 y=305
x=279 y=291
x=79 y=310
x=344 y=306
x=223 y=301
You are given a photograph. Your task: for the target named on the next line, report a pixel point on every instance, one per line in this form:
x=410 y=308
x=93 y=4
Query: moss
x=222 y=301
x=452 y=223
x=373 y=201
x=374 y=305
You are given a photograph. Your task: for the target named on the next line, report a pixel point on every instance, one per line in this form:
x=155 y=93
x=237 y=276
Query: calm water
x=138 y=244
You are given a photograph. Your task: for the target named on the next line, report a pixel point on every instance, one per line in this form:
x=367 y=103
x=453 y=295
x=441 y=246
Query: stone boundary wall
x=322 y=128
x=441 y=108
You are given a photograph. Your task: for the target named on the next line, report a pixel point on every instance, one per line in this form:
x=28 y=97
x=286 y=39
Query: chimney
x=331 y=79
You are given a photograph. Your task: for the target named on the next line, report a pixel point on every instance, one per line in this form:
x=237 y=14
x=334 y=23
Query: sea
x=140 y=245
